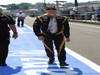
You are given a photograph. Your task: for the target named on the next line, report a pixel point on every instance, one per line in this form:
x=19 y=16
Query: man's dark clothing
x=4 y=50
x=98 y=17
x=5 y=21
x=57 y=40
x=20 y=22
x=40 y=28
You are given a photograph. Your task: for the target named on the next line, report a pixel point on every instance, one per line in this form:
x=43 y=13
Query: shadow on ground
x=9 y=70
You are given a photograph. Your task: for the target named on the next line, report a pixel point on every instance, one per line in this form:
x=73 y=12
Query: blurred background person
x=20 y=19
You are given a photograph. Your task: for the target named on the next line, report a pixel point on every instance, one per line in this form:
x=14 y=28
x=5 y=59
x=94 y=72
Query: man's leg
x=60 y=47
x=48 y=44
x=22 y=22
x=18 y=22
x=3 y=52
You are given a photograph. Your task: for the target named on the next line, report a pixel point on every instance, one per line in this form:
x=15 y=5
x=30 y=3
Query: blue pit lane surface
x=27 y=57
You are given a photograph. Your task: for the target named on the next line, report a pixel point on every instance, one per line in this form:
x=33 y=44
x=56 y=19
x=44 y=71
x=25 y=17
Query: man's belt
x=61 y=32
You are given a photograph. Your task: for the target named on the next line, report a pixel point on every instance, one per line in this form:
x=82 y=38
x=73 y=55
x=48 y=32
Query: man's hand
x=41 y=38
x=13 y=28
x=68 y=39
x=15 y=35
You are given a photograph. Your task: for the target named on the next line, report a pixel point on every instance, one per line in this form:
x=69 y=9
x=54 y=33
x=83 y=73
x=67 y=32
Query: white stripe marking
x=28 y=27
x=84 y=60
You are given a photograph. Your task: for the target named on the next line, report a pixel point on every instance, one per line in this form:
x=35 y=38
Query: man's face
x=51 y=11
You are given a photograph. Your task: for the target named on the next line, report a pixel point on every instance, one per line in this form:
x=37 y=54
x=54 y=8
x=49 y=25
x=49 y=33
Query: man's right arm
x=37 y=29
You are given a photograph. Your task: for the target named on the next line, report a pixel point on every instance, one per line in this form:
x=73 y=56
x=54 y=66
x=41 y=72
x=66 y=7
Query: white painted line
x=84 y=60
x=37 y=65
x=24 y=53
x=81 y=58
x=28 y=27
x=31 y=59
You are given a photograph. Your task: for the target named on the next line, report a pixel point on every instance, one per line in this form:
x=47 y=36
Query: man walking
x=20 y=20
x=53 y=29
x=6 y=23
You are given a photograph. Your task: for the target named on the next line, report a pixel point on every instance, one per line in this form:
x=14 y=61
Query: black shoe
x=51 y=61
x=63 y=64
x=4 y=64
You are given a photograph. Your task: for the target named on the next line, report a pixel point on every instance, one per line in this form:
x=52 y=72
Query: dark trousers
x=4 y=50
x=98 y=17
x=20 y=22
x=59 y=43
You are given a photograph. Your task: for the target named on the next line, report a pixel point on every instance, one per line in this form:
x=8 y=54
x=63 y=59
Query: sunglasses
x=50 y=9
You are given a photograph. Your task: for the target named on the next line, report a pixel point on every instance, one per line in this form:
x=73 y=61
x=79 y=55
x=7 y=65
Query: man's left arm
x=13 y=28
x=11 y=23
